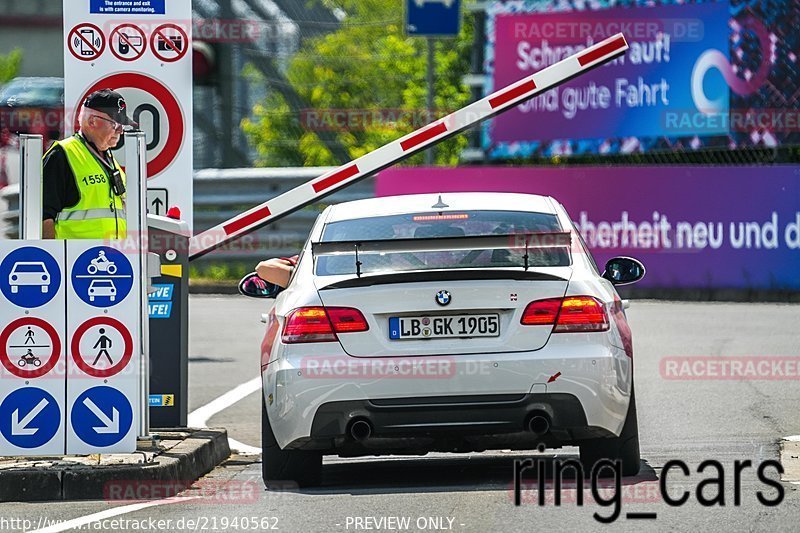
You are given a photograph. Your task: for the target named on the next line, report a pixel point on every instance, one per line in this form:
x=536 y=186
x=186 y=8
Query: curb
x=184 y=463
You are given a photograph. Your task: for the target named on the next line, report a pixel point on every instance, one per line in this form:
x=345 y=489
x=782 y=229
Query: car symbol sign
x=443 y=297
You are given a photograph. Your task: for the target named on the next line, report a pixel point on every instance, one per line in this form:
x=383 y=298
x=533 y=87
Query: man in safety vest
x=83 y=185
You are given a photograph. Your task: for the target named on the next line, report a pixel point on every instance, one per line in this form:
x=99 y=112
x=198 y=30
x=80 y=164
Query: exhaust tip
x=539 y=424
x=360 y=429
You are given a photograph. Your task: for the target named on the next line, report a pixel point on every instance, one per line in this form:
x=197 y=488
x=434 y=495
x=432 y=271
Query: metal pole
x=136 y=170
x=429 y=151
x=30 y=186
x=226 y=80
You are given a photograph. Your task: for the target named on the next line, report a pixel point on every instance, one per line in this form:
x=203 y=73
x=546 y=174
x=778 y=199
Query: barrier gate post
x=169 y=323
x=136 y=171
x=30 y=186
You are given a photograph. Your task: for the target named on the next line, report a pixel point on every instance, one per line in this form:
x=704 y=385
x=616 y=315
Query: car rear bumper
x=454 y=403
x=448 y=424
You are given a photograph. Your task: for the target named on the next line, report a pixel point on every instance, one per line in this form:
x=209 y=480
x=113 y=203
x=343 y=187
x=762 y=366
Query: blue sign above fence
x=127 y=7
x=433 y=18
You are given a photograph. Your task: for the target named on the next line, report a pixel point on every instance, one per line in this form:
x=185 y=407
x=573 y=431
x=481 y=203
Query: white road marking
x=110 y=513
x=199 y=417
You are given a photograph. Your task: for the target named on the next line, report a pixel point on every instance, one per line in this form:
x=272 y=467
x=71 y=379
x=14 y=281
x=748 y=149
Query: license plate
x=442 y=327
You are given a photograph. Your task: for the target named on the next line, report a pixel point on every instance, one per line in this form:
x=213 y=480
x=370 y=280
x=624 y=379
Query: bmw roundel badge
x=443 y=297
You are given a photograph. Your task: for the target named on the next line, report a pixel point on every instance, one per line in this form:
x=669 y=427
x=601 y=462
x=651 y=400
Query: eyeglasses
x=115 y=124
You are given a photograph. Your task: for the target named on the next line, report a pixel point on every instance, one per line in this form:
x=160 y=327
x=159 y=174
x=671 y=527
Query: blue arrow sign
x=433 y=18
x=101 y=416
x=29 y=277
x=102 y=276
x=29 y=417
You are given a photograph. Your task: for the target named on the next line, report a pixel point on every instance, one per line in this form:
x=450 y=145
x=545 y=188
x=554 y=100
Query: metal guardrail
x=220 y=194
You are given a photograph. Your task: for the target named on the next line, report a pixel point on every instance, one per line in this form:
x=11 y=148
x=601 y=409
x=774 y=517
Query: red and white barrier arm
x=395 y=151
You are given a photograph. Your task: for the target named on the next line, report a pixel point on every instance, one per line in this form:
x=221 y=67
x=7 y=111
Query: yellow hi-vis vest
x=99 y=213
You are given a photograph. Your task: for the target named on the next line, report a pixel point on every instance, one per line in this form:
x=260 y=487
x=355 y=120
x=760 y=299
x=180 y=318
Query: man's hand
x=275 y=271
x=48 y=229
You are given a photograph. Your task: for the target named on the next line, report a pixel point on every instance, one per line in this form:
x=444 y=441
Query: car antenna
x=526 y=254
x=440 y=204
x=358 y=263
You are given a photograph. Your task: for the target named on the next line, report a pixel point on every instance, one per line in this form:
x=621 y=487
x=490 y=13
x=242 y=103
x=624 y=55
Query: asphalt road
x=689 y=420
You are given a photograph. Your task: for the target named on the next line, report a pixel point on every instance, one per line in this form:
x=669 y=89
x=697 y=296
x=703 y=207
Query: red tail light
x=569 y=314
x=321 y=324
x=541 y=312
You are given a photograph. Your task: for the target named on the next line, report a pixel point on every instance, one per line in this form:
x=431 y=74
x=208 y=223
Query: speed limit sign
x=146 y=58
x=158 y=113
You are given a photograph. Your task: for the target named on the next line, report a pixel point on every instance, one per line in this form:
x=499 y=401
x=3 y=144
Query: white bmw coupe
x=459 y=322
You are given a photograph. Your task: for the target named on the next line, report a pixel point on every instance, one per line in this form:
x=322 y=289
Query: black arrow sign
x=157 y=203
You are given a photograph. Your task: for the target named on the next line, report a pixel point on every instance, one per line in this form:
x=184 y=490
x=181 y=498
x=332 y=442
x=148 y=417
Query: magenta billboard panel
x=692 y=227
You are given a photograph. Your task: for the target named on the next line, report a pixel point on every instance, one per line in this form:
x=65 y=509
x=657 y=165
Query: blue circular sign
x=29 y=277
x=102 y=276
x=29 y=417
x=101 y=416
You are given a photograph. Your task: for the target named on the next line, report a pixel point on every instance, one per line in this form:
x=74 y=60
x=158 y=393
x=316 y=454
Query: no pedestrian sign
x=29 y=347
x=102 y=347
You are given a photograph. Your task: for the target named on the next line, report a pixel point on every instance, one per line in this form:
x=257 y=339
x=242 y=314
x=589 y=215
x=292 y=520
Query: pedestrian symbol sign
x=102 y=276
x=29 y=277
x=29 y=418
x=101 y=416
x=29 y=347
x=102 y=347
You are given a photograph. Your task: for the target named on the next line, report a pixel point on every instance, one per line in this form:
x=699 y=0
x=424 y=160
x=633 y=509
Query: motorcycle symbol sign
x=102 y=276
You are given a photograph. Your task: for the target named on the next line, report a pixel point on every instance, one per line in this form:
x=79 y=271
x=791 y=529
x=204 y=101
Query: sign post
x=140 y=49
x=30 y=191
x=432 y=19
x=106 y=299
x=32 y=347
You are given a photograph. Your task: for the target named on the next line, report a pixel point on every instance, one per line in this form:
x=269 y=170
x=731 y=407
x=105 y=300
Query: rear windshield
x=440 y=225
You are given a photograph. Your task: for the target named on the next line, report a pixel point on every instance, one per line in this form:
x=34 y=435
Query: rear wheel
x=286 y=466
x=624 y=448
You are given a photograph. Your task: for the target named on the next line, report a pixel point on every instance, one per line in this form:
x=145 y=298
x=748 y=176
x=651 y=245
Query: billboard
x=697 y=75
x=719 y=227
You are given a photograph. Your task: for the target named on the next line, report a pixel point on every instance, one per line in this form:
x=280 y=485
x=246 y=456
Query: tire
x=92 y=269
x=625 y=447
x=112 y=269
x=22 y=363
x=279 y=467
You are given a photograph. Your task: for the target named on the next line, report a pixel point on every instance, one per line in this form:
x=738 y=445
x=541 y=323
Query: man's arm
x=58 y=189
x=276 y=270
x=48 y=229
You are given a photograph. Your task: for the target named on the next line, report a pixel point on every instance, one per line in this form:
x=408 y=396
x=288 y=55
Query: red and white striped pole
x=395 y=151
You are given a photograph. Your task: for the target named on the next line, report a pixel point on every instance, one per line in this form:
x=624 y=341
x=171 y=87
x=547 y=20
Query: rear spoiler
x=515 y=241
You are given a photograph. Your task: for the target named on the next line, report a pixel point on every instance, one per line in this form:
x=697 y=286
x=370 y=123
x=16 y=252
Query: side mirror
x=623 y=270
x=255 y=287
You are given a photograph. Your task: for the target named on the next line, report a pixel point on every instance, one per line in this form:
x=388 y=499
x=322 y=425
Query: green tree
x=9 y=65
x=369 y=64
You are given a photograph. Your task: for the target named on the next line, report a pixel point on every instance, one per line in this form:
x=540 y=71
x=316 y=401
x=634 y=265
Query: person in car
x=277 y=270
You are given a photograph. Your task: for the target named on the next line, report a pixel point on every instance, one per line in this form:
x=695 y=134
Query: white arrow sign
x=110 y=425
x=20 y=427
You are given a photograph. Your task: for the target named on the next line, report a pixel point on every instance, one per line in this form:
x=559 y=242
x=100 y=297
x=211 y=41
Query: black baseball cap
x=112 y=104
